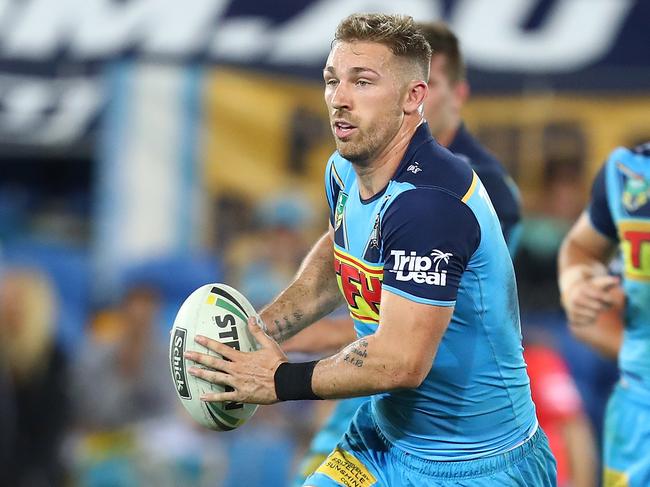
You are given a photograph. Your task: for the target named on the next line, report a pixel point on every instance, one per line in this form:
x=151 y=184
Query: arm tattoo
x=357 y=353
x=286 y=327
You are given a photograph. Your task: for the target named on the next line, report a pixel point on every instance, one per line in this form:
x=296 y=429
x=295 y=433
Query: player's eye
x=363 y=82
x=331 y=82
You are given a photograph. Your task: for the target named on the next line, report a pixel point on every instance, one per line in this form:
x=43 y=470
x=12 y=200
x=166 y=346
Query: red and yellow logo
x=635 y=245
x=360 y=283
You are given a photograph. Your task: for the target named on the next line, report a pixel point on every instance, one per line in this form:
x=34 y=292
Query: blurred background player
x=38 y=374
x=618 y=217
x=448 y=91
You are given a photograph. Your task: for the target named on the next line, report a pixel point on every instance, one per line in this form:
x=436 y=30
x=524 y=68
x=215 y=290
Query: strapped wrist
x=293 y=381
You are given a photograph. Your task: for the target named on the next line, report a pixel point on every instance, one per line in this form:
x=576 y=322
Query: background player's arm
x=585 y=287
x=325 y=336
x=312 y=294
x=399 y=355
x=581 y=451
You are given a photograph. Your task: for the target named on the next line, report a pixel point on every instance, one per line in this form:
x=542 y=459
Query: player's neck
x=375 y=175
x=447 y=134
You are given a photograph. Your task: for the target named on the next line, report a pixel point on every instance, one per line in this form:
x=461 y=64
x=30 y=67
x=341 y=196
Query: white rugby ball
x=219 y=312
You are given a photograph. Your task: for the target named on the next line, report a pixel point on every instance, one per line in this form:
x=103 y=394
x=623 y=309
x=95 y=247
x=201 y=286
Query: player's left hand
x=250 y=374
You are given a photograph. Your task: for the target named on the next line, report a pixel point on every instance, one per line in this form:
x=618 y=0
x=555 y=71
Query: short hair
x=443 y=41
x=399 y=33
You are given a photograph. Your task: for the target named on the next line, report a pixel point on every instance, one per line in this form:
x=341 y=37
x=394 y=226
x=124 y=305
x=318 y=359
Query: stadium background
x=147 y=147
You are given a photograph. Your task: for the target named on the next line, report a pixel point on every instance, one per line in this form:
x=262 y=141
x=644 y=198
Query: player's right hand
x=585 y=299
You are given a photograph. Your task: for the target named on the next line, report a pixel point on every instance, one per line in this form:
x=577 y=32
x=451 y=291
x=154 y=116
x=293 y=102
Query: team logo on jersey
x=340 y=206
x=360 y=284
x=421 y=269
x=373 y=243
x=635 y=247
x=637 y=188
x=414 y=168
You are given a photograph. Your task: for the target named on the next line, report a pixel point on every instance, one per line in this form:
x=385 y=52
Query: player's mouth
x=343 y=129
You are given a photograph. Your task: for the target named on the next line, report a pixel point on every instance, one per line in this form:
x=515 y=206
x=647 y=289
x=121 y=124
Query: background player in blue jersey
x=618 y=217
x=447 y=93
x=417 y=253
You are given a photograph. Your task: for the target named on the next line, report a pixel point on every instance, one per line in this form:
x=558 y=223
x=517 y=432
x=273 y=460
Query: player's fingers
x=605 y=283
x=223 y=350
x=216 y=363
x=257 y=320
x=232 y=396
x=588 y=310
x=582 y=317
x=602 y=296
x=211 y=376
x=603 y=289
x=258 y=333
x=588 y=303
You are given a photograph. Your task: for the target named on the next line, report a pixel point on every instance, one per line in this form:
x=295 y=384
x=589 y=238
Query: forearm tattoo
x=357 y=353
x=287 y=326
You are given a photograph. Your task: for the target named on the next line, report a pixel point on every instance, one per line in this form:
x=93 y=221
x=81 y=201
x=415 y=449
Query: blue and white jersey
x=432 y=236
x=620 y=210
x=506 y=201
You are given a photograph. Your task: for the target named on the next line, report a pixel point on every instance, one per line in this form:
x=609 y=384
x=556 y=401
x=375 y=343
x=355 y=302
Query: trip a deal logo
x=360 y=284
x=635 y=247
x=421 y=269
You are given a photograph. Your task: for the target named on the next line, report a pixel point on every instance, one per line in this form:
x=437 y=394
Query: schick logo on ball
x=178 y=364
x=421 y=269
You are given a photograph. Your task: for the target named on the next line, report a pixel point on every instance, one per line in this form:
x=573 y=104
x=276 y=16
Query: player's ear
x=416 y=90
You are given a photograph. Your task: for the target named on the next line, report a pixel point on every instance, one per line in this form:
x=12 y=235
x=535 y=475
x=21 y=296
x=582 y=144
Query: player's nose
x=341 y=98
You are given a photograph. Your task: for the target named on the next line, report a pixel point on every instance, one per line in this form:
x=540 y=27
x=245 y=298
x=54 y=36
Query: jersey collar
x=421 y=136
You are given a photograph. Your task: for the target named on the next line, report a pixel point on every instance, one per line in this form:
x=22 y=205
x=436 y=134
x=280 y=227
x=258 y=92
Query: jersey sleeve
x=428 y=238
x=599 y=212
x=505 y=199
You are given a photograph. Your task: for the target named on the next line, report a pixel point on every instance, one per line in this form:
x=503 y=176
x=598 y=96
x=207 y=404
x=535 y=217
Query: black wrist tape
x=293 y=381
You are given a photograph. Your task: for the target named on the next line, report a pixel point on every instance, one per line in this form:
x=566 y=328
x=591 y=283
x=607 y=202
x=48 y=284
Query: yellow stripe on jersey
x=368 y=268
x=471 y=189
x=369 y=320
x=337 y=177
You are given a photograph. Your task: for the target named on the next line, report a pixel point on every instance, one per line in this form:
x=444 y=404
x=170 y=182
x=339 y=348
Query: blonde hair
x=26 y=320
x=399 y=33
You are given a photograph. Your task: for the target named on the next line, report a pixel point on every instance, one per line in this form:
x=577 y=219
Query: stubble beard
x=369 y=144
x=358 y=152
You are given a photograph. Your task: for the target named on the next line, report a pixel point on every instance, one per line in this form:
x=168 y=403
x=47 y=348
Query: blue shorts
x=365 y=458
x=626 y=449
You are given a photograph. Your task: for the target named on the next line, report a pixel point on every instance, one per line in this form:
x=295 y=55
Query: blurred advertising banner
x=264 y=134
x=52 y=53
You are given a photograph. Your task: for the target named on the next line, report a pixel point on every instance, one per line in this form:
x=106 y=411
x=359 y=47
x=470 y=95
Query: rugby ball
x=219 y=312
